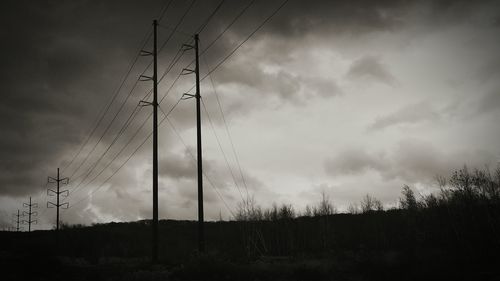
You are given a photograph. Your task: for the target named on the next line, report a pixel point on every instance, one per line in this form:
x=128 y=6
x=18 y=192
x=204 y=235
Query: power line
x=106 y=108
x=135 y=84
x=174 y=61
x=214 y=187
x=224 y=31
x=164 y=10
x=168 y=69
x=222 y=150
x=202 y=27
x=227 y=27
x=227 y=131
x=137 y=148
x=242 y=42
x=172 y=64
x=214 y=41
x=118 y=154
x=128 y=96
x=178 y=23
x=117 y=136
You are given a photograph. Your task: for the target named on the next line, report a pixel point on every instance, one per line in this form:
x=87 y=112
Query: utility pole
x=30 y=213
x=17 y=220
x=201 y=228
x=154 y=78
x=197 y=96
x=58 y=181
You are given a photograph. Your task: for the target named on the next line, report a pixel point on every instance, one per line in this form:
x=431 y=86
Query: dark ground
x=430 y=244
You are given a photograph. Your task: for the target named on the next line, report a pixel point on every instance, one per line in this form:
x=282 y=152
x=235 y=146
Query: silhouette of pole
x=201 y=230
x=30 y=213
x=58 y=181
x=155 y=145
x=154 y=103
x=17 y=220
x=29 y=216
x=197 y=96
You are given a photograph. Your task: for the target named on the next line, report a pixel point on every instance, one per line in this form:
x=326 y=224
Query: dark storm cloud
x=300 y=18
x=62 y=61
x=57 y=62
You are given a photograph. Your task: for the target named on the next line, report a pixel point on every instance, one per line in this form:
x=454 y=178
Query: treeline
x=461 y=221
x=459 y=227
x=463 y=187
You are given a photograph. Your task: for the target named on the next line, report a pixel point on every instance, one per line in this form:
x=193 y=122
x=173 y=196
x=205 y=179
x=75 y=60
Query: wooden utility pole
x=197 y=96
x=154 y=103
x=201 y=226
x=155 y=144
x=30 y=213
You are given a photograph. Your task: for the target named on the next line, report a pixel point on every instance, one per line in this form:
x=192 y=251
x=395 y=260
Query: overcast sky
x=342 y=97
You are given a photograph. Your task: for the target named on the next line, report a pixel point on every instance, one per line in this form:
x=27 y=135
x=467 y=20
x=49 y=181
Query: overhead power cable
x=219 y=37
x=193 y=159
x=130 y=93
x=205 y=23
x=241 y=43
x=221 y=149
x=107 y=107
x=130 y=156
x=227 y=131
x=164 y=10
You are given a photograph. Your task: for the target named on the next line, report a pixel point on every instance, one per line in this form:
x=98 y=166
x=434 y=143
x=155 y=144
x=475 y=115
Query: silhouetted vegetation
x=452 y=234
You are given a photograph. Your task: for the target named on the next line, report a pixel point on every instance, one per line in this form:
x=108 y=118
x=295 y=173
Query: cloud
x=370 y=68
x=354 y=162
x=412 y=161
x=63 y=62
x=179 y=166
x=410 y=114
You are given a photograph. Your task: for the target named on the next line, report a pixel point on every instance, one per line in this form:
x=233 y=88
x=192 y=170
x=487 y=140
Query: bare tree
x=353 y=209
x=248 y=210
x=370 y=203
x=325 y=206
x=307 y=212
x=408 y=201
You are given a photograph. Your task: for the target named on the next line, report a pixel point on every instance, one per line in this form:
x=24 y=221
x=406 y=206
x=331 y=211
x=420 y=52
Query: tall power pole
x=201 y=229
x=58 y=181
x=197 y=96
x=18 y=216
x=155 y=145
x=30 y=213
x=154 y=78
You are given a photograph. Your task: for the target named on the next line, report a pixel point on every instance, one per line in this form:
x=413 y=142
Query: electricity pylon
x=30 y=213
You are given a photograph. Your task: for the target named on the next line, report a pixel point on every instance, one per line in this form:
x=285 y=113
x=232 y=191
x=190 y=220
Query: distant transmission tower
x=57 y=193
x=30 y=213
x=18 y=220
